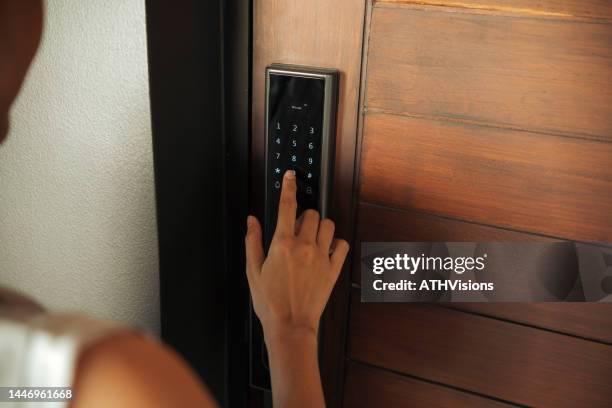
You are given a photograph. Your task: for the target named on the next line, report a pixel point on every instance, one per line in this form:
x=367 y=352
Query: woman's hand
x=290 y=287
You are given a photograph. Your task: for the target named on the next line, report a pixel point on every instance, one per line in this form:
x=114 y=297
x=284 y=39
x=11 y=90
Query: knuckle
x=282 y=243
x=307 y=251
x=281 y=240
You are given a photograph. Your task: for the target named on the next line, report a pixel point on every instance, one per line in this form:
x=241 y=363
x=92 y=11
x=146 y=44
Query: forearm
x=294 y=369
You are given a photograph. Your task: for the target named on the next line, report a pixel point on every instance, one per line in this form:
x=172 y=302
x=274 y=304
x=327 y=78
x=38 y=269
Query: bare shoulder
x=130 y=370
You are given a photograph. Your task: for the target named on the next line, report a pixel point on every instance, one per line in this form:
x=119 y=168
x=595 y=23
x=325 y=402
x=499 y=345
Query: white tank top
x=41 y=349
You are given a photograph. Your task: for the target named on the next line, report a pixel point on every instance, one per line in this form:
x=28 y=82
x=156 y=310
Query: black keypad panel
x=295 y=120
x=300 y=134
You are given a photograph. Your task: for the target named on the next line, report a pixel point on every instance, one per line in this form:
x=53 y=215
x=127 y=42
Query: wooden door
x=488 y=120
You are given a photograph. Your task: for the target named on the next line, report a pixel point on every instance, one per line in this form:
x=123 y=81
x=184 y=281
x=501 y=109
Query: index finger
x=287 y=206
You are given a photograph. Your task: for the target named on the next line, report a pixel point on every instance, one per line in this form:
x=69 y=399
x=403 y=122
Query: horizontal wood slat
x=542 y=8
x=377 y=223
x=512 y=362
x=373 y=388
x=589 y=320
x=550 y=185
x=548 y=76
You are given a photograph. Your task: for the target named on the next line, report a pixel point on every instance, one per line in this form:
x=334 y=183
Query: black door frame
x=200 y=75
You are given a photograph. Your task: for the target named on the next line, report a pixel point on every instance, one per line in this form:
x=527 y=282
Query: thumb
x=254 y=247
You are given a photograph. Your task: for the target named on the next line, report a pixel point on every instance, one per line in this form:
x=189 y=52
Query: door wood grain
x=597 y=9
x=375 y=223
x=547 y=76
x=588 y=320
x=555 y=186
x=512 y=362
x=367 y=386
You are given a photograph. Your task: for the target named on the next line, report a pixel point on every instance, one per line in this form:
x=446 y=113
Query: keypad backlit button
x=295 y=146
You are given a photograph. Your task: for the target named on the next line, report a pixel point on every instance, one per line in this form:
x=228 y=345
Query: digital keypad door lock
x=300 y=126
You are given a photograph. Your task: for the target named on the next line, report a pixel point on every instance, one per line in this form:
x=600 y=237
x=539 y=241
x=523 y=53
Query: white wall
x=77 y=215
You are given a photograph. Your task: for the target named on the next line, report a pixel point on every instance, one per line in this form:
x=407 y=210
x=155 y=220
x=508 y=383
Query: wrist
x=290 y=336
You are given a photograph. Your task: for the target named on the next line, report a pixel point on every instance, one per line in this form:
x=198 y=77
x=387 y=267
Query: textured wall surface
x=77 y=214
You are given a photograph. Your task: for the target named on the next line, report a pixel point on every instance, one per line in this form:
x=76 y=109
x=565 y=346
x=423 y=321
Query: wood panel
x=550 y=185
x=373 y=388
x=485 y=120
x=589 y=320
x=526 y=73
x=376 y=223
x=599 y=9
x=384 y=224
x=325 y=34
x=515 y=363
